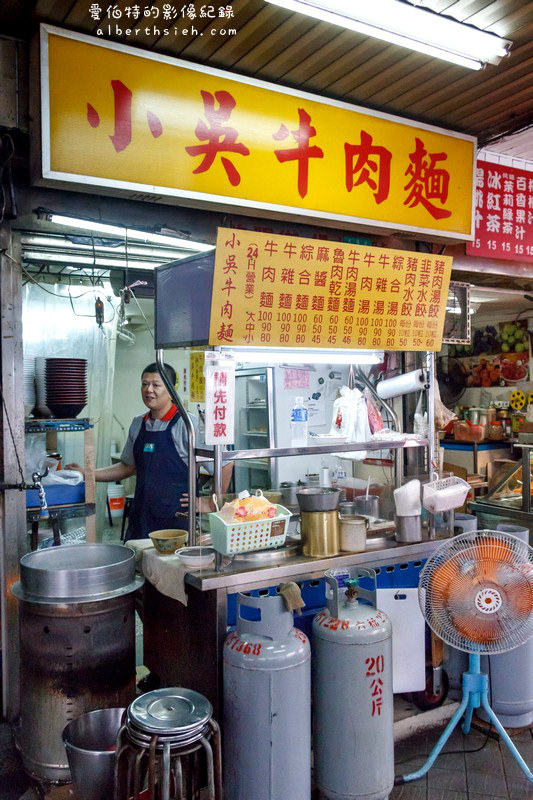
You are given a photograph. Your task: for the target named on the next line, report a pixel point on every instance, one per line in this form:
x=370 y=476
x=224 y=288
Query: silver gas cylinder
x=352 y=693
x=267 y=705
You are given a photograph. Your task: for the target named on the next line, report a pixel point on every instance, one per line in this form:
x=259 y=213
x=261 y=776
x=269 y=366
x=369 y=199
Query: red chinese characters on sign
x=368 y=164
x=427 y=181
x=372 y=166
x=219 y=138
x=375 y=668
x=503 y=213
x=121 y=136
x=219 y=401
x=303 y=152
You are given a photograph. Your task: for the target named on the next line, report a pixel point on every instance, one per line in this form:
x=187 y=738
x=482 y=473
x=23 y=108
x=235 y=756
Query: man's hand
x=203 y=504
x=76 y=468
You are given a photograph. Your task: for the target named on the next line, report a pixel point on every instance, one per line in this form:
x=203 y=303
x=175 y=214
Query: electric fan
x=476 y=593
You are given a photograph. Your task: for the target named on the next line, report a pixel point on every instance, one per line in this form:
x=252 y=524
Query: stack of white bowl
x=40 y=382
x=29 y=385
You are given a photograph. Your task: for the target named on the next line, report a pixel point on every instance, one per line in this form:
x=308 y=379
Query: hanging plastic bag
x=63 y=477
x=421 y=417
x=375 y=420
x=443 y=415
x=350 y=415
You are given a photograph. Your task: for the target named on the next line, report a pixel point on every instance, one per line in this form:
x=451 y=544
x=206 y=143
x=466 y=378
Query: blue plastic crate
x=57 y=495
x=394 y=576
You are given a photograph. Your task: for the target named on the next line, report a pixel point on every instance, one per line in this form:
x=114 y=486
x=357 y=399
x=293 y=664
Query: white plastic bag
x=421 y=418
x=350 y=419
x=63 y=477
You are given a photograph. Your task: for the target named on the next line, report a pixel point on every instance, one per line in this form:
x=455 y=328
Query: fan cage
x=479 y=565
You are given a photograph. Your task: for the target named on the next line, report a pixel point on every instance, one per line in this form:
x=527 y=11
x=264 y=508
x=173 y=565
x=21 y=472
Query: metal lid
x=77 y=573
x=170 y=710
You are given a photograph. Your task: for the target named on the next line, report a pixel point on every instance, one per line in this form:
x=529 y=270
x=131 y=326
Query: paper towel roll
x=402 y=384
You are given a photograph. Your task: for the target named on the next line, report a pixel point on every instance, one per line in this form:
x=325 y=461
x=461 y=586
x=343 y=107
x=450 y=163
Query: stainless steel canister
x=409 y=529
x=367 y=505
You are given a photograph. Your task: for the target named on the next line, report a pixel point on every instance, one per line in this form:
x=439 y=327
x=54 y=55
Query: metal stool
x=160 y=744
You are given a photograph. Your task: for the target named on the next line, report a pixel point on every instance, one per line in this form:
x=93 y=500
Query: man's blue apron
x=162 y=477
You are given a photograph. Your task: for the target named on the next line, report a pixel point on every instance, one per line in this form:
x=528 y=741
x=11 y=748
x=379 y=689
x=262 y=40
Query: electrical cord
x=19 y=465
x=4 y=164
x=143 y=314
x=71 y=298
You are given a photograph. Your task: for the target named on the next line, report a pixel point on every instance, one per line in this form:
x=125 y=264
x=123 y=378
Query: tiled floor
x=489 y=774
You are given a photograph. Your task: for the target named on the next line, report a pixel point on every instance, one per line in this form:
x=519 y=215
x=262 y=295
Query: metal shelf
x=60 y=425
x=255 y=433
x=283 y=452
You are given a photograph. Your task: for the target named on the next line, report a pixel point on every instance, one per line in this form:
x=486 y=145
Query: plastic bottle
x=299 y=424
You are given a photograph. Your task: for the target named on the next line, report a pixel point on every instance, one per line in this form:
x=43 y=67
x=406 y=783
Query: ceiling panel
x=291 y=49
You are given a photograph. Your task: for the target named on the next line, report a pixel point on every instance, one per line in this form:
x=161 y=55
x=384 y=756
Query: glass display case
x=254 y=426
x=509 y=493
x=507 y=486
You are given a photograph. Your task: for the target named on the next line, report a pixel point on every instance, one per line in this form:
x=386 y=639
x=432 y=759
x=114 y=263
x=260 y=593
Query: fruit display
x=514 y=337
x=499 y=370
x=509 y=337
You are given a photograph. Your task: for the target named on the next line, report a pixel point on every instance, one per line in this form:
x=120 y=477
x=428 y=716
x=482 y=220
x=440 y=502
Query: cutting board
x=408 y=638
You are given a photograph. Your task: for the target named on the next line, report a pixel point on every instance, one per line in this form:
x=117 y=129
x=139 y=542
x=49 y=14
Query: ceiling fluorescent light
x=403 y=24
x=280 y=355
x=127 y=233
x=49 y=257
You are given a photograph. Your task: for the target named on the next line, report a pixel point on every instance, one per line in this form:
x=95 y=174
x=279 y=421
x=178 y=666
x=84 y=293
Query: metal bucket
x=90 y=744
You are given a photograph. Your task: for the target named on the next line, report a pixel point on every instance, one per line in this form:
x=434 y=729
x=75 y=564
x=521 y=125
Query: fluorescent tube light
x=282 y=355
x=408 y=26
x=85 y=260
x=128 y=233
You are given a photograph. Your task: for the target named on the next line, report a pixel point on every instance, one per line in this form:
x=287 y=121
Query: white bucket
x=116 y=499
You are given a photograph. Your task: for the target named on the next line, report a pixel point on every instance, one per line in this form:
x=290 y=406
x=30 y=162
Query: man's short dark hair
x=170 y=371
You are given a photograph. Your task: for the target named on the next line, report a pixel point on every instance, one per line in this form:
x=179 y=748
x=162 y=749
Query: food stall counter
x=240 y=575
x=183 y=643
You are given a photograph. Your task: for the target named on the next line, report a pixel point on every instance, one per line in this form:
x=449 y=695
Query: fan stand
x=475 y=694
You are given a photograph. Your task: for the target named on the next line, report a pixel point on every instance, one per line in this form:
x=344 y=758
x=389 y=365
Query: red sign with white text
x=503 y=213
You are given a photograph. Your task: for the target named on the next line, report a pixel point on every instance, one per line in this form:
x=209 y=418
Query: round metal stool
x=160 y=744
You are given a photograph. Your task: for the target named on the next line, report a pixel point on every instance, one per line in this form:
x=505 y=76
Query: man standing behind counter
x=156 y=451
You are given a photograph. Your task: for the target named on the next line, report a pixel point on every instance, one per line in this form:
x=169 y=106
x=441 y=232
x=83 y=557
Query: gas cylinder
x=267 y=705
x=352 y=692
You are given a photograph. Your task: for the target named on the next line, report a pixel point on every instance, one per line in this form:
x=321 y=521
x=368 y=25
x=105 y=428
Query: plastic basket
x=444 y=494
x=230 y=538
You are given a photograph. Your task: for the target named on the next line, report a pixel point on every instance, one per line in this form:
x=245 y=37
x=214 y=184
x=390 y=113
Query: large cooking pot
x=318 y=499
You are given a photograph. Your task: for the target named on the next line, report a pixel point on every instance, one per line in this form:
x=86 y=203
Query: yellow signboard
x=119 y=117
x=197 y=380
x=283 y=291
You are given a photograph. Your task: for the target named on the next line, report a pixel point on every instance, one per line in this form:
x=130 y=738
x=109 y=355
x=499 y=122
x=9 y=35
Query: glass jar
x=496 y=431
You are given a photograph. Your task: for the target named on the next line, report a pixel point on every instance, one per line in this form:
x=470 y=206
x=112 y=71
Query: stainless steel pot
x=317 y=499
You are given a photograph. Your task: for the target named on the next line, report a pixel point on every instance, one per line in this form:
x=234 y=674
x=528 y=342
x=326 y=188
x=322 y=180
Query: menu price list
x=280 y=291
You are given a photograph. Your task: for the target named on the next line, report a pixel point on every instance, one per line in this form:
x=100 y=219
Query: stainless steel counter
x=241 y=576
x=183 y=644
